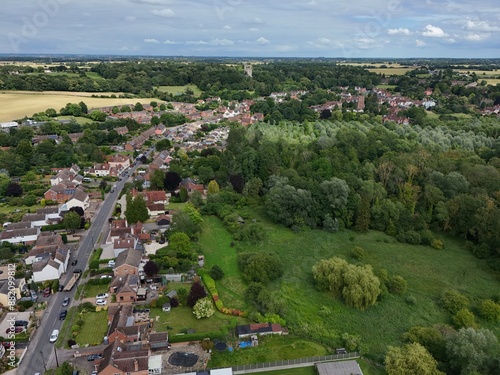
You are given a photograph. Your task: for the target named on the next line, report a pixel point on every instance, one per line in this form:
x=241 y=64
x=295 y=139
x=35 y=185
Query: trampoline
x=183 y=359
x=220 y=346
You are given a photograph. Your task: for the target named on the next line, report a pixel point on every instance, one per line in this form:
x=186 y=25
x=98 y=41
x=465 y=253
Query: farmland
x=176 y=90
x=18 y=104
x=380 y=325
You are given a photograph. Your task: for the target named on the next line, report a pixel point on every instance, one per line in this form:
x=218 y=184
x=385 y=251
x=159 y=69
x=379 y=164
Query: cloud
x=221 y=42
x=399 y=31
x=434 y=32
x=254 y=29
x=130 y=18
x=154 y=2
x=262 y=40
x=165 y=12
x=312 y=3
x=170 y=42
x=285 y=48
x=196 y=42
x=477 y=37
x=419 y=43
x=480 y=26
x=227 y=27
x=151 y=40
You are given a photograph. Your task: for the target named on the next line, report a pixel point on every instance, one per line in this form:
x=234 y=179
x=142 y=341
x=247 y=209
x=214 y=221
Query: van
x=111 y=263
x=87 y=179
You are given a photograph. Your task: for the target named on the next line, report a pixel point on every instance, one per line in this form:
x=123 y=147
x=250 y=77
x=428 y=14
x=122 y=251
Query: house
x=339 y=368
x=50 y=266
x=36 y=220
x=155 y=209
x=20 y=236
x=258 y=329
x=10 y=291
x=123 y=243
x=158 y=341
x=125 y=287
x=191 y=185
x=118 y=361
x=155 y=366
x=119 y=161
x=156 y=197
x=79 y=199
x=163 y=220
x=127 y=262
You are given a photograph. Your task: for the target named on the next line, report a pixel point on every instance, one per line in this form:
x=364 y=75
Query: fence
x=299 y=362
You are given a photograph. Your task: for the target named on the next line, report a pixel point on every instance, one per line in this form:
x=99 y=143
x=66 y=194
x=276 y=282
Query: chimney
x=136 y=365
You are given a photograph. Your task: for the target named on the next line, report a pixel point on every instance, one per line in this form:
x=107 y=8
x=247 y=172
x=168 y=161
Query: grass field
x=386 y=87
x=176 y=90
x=91 y=291
x=492 y=81
x=94 y=328
x=399 y=71
x=216 y=245
x=17 y=104
x=80 y=120
x=181 y=318
x=428 y=272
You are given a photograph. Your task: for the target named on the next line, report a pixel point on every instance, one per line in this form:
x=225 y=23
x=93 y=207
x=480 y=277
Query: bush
x=351 y=342
x=411 y=300
x=216 y=273
x=490 y=311
x=464 y=319
x=71 y=342
x=453 y=301
x=410 y=236
x=358 y=253
x=398 y=285
x=437 y=244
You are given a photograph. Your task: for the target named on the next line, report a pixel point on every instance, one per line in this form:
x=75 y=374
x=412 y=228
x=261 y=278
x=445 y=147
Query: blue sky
x=287 y=28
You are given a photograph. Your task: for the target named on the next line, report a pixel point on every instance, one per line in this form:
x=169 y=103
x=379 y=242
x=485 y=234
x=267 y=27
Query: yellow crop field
x=391 y=71
x=492 y=81
x=17 y=104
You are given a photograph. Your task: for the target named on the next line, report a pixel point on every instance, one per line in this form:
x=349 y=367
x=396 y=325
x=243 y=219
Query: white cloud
x=227 y=27
x=165 y=12
x=434 y=32
x=262 y=40
x=196 y=42
x=480 y=26
x=285 y=48
x=154 y=2
x=477 y=37
x=221 y=42
x=170 y=42
x=312 y=3
x=419 y=43
x=399 y=31
x=151 y=40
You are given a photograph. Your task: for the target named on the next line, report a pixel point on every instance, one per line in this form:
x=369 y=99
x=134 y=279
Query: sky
x=256 y=28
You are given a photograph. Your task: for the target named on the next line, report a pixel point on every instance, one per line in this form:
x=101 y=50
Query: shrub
x=351 y=342
x=411 y=300
x=216 y=273
x=71 y=342
x=464 y=319
x=358 y=253
x=437 y=244
x=490 y=310
x=398 y=285
x=410 y=236
x=453 y=301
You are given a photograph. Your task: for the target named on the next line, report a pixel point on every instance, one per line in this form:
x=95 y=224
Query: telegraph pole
x=43 y=360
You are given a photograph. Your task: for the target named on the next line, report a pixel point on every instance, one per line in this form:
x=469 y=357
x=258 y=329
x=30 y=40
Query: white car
x=100 y=302
x=102 y=296
x=54 y=335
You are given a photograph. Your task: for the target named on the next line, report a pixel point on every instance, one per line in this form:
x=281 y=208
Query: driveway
x=15 y=316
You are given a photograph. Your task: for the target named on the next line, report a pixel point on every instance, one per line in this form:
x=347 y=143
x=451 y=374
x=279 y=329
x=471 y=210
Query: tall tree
x=196 y=293
x=410 y=359
x=172 y=180
x=71 y=221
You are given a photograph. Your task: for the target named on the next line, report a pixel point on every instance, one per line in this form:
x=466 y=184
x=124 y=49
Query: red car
x=8 y=344
x=17 y=329
x=46 y=292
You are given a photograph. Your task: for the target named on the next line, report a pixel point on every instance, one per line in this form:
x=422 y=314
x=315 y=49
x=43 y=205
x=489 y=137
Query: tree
x=172 y=180
x=410 y=359
x=180 y=243
x=213 y=187
x=328 y=275
x=71 y=221
x=137 y=210
x=490 y=310
x=157 y=180
x=464 y=318
x=453 y=301
x=13 y=190
x=361 y=288
x=471 y=350
x=196 y=293
x=216 y=273
x=183 y=222
x=398 y=285
x=203 y=308
x=163 y=144
x=262 y=267
x=151 y=268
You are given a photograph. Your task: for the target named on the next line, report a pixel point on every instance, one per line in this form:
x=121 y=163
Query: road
x=41 y=353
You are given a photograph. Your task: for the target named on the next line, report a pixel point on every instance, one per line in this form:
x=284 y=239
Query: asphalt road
x=41 y=353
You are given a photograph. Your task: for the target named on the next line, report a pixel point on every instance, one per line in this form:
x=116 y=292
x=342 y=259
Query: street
x=42 y=354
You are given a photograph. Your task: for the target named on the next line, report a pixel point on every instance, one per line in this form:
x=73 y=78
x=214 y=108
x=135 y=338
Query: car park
x=93 y=357
x=54 y=335
x=66 y=302
x=100 y=302
x=63 y=314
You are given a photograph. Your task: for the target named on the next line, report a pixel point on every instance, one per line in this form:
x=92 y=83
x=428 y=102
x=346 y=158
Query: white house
x=36 y=220
x=80 y=199
x=24 y=236
x=49 y=267
x=155 y=366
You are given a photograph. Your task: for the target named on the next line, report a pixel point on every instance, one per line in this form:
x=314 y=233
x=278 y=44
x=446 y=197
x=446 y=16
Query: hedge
x=219 y=335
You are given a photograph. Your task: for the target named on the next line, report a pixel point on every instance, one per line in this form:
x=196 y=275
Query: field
x=492 y=81
x=428 y=272
x=95 y=326
x=391 y=71
x=176 y=90
x=80 y=120
x=17 y=104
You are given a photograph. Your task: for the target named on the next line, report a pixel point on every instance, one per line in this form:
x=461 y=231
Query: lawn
x=95 y=327
x=310 y=370
x=91 y=291
x=428 y=272
x=215 y=243
x=271 y=348
x=17 y=104
x=177 y=90
x=180 y=319
x=78 y=119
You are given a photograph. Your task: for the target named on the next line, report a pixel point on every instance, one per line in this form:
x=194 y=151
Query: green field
x=399 y=71
x=428 y=272
x=94 y=328
x=176 y=90
x=80 y=120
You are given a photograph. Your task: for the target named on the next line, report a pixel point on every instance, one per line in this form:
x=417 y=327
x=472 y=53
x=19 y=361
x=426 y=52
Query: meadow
x=429 y=273
x=177 y=90
x=393 y=71
x=18 y=104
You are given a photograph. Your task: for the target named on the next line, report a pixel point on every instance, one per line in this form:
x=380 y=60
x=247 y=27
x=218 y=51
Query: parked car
x=54 y=335
x=46 y=292
x=66 y=302
x=8 y=344
x=100 y=302
x=21 y=323
x=106 y=277
x=17 y=329
x=63 y=314
x=102 y=296
x=74 y=262
x=61 y=287
x=111 y=263
x=93 y=357
x=78 y=270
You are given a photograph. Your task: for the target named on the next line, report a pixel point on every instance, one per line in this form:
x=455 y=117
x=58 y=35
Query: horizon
x=389 y=29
